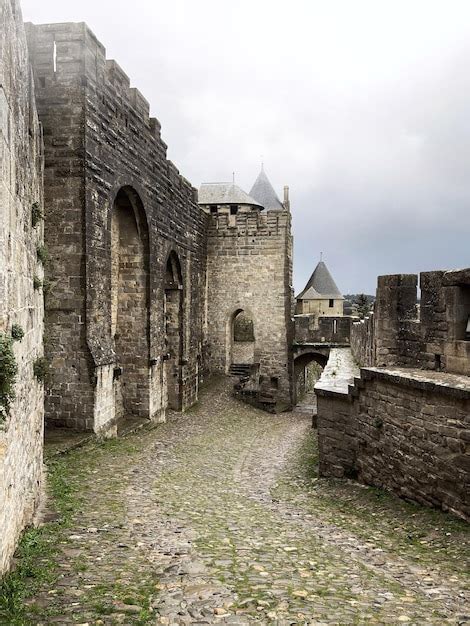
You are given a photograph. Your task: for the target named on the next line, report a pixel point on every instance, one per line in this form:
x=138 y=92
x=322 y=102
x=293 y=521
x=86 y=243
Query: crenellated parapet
x=430 y=333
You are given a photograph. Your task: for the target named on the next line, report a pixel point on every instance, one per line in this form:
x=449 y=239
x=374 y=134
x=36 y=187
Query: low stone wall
x=403 y=430
x=243 y=352
x=363 y=341
x=312 y=329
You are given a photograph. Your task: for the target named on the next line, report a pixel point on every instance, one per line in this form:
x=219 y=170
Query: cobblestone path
x=218 y=517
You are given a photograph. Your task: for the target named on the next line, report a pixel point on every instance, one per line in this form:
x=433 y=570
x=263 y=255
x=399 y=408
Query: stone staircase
x=240 y=370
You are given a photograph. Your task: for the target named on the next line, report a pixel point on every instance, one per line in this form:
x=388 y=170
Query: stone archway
x=301 y=371
x=242 y=338
x=173 y=315
x=130 y=304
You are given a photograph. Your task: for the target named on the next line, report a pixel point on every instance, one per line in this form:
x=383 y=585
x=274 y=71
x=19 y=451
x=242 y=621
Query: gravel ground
x=218 y=516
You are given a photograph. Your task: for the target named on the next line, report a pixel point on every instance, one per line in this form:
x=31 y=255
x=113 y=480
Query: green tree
x=363 y=306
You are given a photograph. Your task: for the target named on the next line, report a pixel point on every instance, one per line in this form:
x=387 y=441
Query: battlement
x=71 y=54
x=246 y=223
x=431 y=333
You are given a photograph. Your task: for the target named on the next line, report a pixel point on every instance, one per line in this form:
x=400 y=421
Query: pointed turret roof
x=320 y=285
x=263 y=192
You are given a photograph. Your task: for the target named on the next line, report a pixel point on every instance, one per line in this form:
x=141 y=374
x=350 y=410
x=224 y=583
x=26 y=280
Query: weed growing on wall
x=41 y=369
x=17 y=332
x=8 y=371
x=37 y=283
x=36 y=214
x=42 y=254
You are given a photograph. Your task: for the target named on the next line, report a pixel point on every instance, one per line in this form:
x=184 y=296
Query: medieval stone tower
x=249 y=278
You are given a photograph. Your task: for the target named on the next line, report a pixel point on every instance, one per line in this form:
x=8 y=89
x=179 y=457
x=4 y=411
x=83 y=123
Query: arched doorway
x=307 y=369
x=130 y=304
x=242 y=339
x=173 y=314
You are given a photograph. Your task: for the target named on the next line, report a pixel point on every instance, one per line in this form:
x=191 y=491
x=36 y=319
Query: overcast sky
x=362 y=107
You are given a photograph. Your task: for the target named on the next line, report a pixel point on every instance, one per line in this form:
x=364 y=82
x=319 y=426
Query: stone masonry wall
x=21 y=433
x=430 y=336
x=249 y=268
x=404 y=430
x=363 y=341
x=100 y=143
x=310 y=329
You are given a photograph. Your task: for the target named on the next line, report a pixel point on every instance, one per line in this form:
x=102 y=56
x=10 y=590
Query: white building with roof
x=321 y=296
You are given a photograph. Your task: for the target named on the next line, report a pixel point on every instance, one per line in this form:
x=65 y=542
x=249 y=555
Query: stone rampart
x=430 y=334
x=115 y=210
x=363 y=341
x=401 y=429
x=21 y=274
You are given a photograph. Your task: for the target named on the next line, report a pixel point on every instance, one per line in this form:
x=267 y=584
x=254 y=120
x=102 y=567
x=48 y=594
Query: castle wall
x=249 y=267
x=405 y=425
x=100 y=143
x=431 y=336
x=310 y=329
x=404 y=430
x=21 y=430
x=363 y=341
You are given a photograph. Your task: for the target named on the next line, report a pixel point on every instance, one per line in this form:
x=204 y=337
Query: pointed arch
x=173 y=319
x=130 y=303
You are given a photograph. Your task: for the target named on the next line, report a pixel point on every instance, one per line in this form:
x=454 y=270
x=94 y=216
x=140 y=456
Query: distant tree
x=363 y=306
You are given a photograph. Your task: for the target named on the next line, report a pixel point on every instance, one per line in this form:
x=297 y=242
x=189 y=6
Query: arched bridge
x=314 y=339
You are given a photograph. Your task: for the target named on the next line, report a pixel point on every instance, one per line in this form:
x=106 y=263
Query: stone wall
x=104 y=155
x=249 y=268
x=21 y=430
x=363 y=341
x=404 y=430
x=311 y=329
x=429 y=334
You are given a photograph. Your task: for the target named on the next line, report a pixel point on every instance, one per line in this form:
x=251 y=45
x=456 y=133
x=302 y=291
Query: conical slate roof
x=263 y=192
x=224 y=193
x=320 y=285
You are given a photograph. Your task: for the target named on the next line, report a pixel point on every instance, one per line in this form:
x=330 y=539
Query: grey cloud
x=362 y=110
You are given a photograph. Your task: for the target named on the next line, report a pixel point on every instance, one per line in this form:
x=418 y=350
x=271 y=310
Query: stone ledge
x=440 y=382
x=452 y=385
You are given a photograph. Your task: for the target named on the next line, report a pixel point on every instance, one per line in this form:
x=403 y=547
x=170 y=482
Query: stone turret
x=321 y=296
x=263 y=192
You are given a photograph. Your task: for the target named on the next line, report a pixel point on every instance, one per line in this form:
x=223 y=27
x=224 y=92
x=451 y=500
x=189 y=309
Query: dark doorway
x=173 y=312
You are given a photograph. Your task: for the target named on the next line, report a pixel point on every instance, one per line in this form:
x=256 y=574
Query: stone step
x=240 y=369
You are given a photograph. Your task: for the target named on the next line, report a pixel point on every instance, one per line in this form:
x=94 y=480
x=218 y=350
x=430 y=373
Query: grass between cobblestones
x=37 y=561
x=426 y=536
x=34 y=564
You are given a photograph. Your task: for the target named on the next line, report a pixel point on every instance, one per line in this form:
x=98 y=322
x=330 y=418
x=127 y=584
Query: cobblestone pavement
x=217 y=517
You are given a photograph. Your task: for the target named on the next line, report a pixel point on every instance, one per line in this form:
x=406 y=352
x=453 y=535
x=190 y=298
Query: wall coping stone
x=452 y=385
x=427 y=380
x=339 y=373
